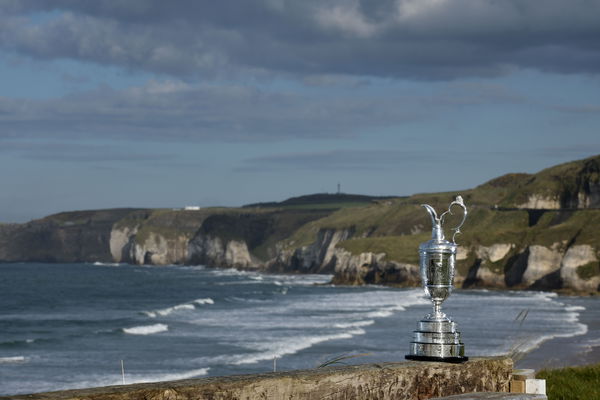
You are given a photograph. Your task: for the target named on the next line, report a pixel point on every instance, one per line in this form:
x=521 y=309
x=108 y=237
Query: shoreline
x=578 y=350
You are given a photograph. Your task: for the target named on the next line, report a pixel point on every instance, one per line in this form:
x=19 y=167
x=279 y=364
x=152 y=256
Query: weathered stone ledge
x=405 y=380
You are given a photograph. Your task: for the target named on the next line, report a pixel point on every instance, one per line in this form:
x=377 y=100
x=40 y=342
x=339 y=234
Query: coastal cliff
x=524 y=231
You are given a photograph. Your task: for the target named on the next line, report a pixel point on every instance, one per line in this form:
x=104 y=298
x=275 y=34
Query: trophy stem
x=437 y=308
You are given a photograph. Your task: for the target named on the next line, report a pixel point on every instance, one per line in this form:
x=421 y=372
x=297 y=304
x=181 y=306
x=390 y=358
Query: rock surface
x=386 y=381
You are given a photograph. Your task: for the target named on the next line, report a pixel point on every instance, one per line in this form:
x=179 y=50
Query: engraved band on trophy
x=437 y=337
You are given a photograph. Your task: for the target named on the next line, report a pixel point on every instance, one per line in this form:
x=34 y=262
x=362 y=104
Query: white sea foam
x=379 y=314
x=192 y=267
x=300 y=280
x=166 y=311
x=179 y=307
x=101 y=264
x=594 y=342
x=530 y=343
x=567 y=318
x=146 y=329
x=13 y=360
x=355 y=324
x=228 y=272
x=109 y=380
x=206 y=300
x=17 y=342
x=129 y=379
x=291 y=346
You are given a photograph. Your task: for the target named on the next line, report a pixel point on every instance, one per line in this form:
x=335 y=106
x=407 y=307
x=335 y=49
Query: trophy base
x=437 y=341
x=453 y=360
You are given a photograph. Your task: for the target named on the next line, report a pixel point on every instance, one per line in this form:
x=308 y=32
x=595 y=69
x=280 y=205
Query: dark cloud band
x=415 y=39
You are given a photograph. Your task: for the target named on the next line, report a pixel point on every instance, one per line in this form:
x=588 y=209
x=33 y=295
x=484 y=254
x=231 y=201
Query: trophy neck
x=437 y=233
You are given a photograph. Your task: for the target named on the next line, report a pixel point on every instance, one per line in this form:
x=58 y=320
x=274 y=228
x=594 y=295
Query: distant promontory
x=524 y=231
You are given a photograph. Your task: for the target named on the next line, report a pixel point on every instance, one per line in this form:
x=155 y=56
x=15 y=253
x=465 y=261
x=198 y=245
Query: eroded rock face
x=493 y=253
x=237 y=254
x=575 y=257
x=372 y=268
x=536 y=201
x=158 y=250
x=490 y=278
x=214 y=251
x=319 y=256
x=78 y=236
x=542 y=261
x=121 y=241
x=155 y=249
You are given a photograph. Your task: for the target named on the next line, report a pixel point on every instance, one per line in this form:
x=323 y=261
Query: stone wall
x=406 y=380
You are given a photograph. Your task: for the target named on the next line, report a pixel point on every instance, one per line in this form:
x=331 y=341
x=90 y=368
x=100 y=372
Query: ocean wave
x=18 y=342
x=290 y=346
x=179 y=307
x=355 y=324
x=102 y=264
x=206 y=300
x=145 y=378
x=146 y=329
x=275 y=348
x=166 y=311
x=525 y=343
x=228 y=272
x=594 y=342
x=300 y=280
x=192 y=267
x=13 y=360
x=97 y=380
x=379 y=314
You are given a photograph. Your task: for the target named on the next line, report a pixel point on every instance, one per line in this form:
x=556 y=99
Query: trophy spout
x=436 y=223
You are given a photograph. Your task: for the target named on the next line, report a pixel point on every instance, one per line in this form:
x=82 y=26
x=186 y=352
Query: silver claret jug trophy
x=436 y=337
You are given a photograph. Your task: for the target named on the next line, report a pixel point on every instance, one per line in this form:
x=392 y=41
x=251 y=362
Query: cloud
x=77 y=152
x=177 y=111
x=579 y=109
x=394 y=159
x=345 y=160
x=414 y=39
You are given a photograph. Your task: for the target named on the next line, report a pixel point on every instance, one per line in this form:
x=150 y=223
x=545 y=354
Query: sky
x=159 y=103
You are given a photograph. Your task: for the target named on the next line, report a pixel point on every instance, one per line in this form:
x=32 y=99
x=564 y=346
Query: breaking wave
x=146 y=329
x=186 y=306
x=13 y=360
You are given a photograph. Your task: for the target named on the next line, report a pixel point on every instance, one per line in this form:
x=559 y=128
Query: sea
x=66 y=326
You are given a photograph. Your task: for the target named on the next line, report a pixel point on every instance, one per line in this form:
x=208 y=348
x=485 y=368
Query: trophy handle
x=459 y=202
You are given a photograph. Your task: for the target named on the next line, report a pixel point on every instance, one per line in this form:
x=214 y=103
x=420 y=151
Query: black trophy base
x=453 y=360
